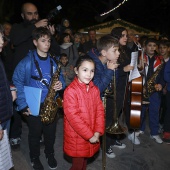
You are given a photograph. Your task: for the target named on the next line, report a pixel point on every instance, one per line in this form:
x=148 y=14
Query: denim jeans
x=36 y=129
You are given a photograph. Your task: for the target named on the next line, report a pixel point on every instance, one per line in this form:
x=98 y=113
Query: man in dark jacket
x=92 y=43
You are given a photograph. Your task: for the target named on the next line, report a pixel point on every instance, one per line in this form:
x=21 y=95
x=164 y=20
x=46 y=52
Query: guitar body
x=136 y=102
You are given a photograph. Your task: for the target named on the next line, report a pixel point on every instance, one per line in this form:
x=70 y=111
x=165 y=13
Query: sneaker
x=36 y=164
x=139 y=133
x=156 y=138
x=110 y=153
x=134 y=139
x=15 y=143
x=119 y=145
x=52 y=163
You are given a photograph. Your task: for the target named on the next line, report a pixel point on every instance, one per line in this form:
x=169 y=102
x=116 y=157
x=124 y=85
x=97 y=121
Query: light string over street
x=105 y=13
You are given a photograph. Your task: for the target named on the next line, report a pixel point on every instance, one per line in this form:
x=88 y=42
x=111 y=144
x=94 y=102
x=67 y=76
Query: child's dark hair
x=63 y=55
x=63 y=36
x=82 y=59
x=40 y=32
x=106 y=42
x=152 y=40
x=164 y=43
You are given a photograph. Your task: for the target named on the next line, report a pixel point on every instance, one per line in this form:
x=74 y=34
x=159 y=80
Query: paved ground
x=147 y=156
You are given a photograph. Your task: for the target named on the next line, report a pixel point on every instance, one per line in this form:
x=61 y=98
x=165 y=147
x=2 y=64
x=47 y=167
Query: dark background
x=150 y=14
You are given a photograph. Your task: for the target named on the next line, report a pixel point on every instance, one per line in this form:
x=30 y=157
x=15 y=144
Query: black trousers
x=167 y=114
x=16 y=124
x=36 y=129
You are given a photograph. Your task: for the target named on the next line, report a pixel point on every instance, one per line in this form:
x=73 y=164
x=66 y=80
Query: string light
x=114 y=8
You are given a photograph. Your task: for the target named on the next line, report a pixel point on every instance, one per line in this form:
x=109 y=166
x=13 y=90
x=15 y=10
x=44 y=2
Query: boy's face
x=150 y=48
x=164 y=50
x=1 y=42
x=64 y=60
x=112 y=54
x=42 y=45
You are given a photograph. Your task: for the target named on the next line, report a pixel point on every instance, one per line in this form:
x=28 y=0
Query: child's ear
x=103 y=52
x=35 y=42
x=75 y=70
x=168 y=49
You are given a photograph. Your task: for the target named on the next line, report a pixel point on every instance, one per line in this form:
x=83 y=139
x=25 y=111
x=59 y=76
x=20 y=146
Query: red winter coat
x=83 y=116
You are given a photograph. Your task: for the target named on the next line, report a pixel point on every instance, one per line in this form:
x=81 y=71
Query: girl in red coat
x=83 y=115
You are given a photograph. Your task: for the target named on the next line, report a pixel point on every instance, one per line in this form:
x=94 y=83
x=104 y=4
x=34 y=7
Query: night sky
x=150 y=14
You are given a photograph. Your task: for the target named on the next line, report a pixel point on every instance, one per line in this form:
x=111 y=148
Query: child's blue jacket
x=22 y=77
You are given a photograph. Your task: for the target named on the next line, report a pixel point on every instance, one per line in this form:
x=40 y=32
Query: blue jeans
x=153 y=112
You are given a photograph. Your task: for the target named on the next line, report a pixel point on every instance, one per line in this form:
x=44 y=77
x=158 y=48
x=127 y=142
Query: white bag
x=5 y=153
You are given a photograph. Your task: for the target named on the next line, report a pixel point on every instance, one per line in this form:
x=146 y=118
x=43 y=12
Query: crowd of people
x=33 y=50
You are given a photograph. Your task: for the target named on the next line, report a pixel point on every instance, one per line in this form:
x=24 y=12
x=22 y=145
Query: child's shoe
x=52 y=163
x=36 y=164
x=110 y=153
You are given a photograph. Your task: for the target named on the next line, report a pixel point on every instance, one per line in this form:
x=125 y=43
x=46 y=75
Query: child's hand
x=94 y=139
x=14 y=95
x=158 y=87
x=112 y=65
x=28 y=112
x=1 y=134
x=97 y=134
x=128 y=68
x=57 y=86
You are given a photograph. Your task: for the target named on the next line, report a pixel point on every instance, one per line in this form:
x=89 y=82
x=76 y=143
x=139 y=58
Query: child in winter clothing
x=36 y=70
x=66 y=69
x=83 y=115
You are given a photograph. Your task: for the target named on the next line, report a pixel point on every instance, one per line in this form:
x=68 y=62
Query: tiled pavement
x=147 y=156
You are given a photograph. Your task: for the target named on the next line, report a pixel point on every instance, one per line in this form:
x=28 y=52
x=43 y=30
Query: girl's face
x=1 y=42
x=123 y=39
x=67 y=39
x=85 y=72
